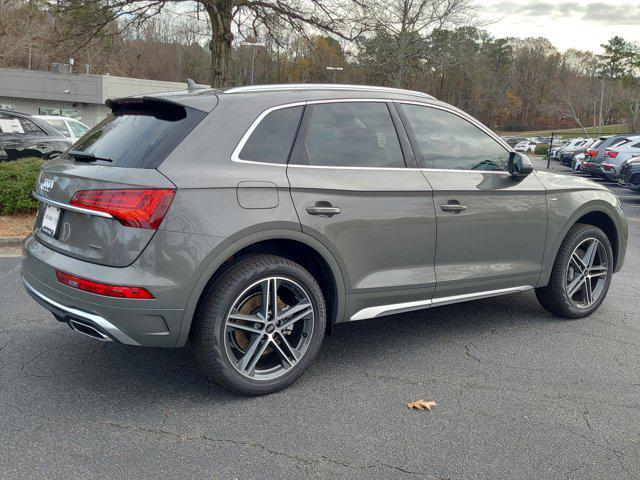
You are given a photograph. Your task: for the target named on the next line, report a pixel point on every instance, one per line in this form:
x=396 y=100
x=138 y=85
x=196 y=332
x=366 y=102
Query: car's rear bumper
x=591 y=169
x=149 y=322
x=89 y=324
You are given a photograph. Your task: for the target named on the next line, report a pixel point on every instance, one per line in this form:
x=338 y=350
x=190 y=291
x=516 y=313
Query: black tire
x=209 y=330
x=553 y=297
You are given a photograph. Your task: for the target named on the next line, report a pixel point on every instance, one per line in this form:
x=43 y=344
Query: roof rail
x=325 y=86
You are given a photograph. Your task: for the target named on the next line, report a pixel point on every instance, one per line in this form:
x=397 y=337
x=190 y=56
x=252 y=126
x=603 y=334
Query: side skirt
x=382 y=310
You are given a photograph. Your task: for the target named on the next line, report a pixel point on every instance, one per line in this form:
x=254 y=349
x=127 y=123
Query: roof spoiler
x=151 y=106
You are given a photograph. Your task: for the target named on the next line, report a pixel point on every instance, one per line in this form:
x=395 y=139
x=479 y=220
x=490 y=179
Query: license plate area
x=50 y=220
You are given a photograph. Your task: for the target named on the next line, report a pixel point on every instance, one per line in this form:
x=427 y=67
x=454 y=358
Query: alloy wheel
x=269 y=328
x=586 y=274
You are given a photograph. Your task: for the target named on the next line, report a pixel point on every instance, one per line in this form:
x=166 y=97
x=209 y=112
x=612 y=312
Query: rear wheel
x=581 y=273
x=260 y=325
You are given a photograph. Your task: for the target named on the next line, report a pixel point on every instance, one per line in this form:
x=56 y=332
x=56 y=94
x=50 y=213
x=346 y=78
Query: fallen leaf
x=422 y=405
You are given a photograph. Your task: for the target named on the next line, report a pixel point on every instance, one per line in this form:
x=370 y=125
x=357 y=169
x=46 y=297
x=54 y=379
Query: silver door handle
x=453 y=207
x=328 y=211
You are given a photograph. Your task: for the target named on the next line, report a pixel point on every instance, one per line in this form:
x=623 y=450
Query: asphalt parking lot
x=520 y=393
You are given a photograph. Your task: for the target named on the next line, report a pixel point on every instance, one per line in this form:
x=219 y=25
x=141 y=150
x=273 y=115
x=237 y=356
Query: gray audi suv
x=247 y=222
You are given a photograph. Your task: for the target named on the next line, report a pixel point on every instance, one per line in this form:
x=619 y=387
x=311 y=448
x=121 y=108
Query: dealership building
x=74 y=95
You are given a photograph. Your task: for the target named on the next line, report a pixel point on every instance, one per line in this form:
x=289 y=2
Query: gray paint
x=391 y=244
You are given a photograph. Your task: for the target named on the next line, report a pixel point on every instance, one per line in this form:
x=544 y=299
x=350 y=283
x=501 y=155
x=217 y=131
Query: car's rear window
x=139 y=134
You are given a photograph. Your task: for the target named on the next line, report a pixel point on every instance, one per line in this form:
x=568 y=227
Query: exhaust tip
x=89 y=331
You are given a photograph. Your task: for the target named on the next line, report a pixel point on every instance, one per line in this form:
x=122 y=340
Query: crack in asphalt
x=205 y=438
x=617 y=454
x=469 y=354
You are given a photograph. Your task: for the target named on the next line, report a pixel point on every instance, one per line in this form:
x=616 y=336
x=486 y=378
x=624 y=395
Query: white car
x=579 y=158
x=556 y=153
x=526 y=147
x=69 y=127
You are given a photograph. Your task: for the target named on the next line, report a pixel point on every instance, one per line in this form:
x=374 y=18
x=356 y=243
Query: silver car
x=247 y=222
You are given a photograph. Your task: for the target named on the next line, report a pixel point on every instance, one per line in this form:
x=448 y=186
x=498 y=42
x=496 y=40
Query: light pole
x=334 y=70
x=253 y=46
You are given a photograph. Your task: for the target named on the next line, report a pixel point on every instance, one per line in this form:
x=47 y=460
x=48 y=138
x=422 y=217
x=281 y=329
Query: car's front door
x=352 y=192
x=491 y=226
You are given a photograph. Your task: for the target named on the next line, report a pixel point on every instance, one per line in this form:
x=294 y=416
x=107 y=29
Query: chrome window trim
x=73 y=208
x=382 y=310
x=235 y=155
x=90 y=317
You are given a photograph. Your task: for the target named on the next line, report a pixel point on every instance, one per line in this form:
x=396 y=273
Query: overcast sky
x=567 y=24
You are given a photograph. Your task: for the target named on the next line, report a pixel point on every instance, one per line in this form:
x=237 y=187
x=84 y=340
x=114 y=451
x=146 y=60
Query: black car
x=630 y=174
x=22 y=136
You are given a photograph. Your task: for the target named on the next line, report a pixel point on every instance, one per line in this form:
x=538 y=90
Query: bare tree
x=344 y=18
x=408 y=22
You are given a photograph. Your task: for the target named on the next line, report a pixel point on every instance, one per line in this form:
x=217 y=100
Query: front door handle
x=453 y=207
x=323 y=209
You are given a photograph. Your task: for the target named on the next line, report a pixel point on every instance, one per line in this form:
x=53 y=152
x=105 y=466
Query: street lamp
x=334 y=70
x=253 y=46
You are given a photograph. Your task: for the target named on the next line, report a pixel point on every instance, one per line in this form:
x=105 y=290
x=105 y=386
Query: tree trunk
x=221 y=15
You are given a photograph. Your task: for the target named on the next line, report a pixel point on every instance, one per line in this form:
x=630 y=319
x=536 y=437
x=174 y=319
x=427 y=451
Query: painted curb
x=11 y=241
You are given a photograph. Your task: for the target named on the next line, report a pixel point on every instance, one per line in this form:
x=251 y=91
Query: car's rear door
x=491 y=226
x=353 y=192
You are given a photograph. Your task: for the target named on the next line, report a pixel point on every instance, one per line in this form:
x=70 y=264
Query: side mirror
x=519 y=165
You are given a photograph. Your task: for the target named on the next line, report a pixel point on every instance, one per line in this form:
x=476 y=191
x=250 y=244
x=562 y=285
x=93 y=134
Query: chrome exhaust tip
x=89 y=331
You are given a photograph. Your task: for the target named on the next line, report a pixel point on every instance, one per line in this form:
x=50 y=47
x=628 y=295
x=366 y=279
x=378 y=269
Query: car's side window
x=78 y=129
x=448 y=141
x=10 y=125
x=272 y=139
x=60 y=126
x=30 y=128
x=351 y=134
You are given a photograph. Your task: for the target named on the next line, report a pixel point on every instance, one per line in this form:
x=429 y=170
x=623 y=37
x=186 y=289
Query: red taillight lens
x=591 y=153
x=102 y=288
x=611 y=154
x=608 y=167
x=133 y=207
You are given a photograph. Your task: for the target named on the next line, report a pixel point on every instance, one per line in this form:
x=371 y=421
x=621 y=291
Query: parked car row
x=615 y=158
x=23 y=135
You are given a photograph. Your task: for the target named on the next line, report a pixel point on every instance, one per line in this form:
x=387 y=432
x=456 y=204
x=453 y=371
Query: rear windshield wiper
x=86 y=157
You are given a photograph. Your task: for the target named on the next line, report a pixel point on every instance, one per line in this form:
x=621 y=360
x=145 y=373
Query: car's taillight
x=608 y=167
x=611 y=154
x=99 y=288
x=133 y=207
x=591 y=153
x=587 y=164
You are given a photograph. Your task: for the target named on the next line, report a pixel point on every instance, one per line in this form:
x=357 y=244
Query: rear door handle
x=453 y=207
x=323 y=210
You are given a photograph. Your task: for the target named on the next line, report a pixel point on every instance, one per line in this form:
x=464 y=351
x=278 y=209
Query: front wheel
x=581 y=274
x=260 y=325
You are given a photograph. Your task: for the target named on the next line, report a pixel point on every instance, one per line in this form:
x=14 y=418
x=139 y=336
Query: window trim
x=235 y=155
x=419 y=154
